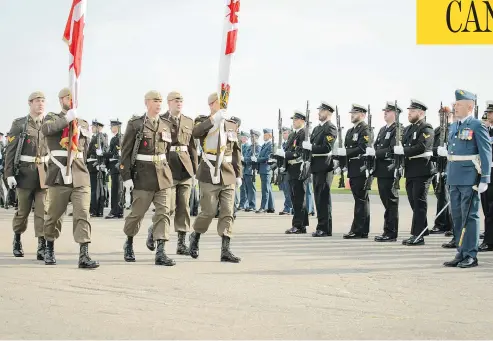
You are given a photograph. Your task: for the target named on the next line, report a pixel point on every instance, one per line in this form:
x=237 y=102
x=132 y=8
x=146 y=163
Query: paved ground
x=287 y=287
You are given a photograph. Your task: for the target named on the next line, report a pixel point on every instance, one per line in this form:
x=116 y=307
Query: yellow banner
x=454 y=22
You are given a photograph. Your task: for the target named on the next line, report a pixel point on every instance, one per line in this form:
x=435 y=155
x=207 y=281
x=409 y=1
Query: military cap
x=298 y=115
x=286 y=129
x=114 y=123
x=237 y=120
x=64 y=93
x=267 y=131
x=357 y=108
x=489 y=106
x=326 y=106
x=245 y=134
x=255 y=132
x=461 y=95
x=390 y=106
x=153 y=94
x=174 y=95
x=96 y=123
x=36 y=94
x=1 y=134
x=415 y=104
x=212 y=98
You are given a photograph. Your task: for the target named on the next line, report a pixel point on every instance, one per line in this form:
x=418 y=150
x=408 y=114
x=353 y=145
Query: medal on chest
x=466 y=134
x=166 y=136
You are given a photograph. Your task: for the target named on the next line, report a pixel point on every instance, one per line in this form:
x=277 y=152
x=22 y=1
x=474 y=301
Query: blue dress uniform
x=487 y=198
x=248 y=180
x=469 y=151
x=264 y=169
x=243 y=191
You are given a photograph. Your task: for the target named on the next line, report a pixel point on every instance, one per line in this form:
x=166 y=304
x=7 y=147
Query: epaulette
x=187 y=117
x=200 y=119
x=165 y=119
x=19 y=119
x=135 y=117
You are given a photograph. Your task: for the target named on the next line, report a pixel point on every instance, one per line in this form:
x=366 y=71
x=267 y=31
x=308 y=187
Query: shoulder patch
x=11 y=138
x=329 y=138
x=426 y=135
x=366 y=137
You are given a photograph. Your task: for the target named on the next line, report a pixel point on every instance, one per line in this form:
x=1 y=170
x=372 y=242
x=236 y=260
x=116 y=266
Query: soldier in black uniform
x=417 y=144
x=487 y=197
x=443 y=222
x=113 y=157
x=321 y=145
x=293 y=158
x=97 y=147
x=356 y=143
x=384 y=156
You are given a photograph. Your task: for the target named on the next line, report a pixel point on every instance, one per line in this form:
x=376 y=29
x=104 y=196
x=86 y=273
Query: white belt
x=474 y=158
x=212 y=157
x=151 y=158
x=425 y=154
x=64 y=153
x=91 y=160
x=293 y=162
x=35 y=159
x=179 y=148
x=326 y=154
x=114 y=160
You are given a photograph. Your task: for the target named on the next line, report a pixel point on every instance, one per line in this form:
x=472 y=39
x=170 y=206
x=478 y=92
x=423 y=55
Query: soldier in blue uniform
x=264 y=169
x=248 y=172
x=468 y=169
x=284 y=182
x=487 y=197
x=245 y=144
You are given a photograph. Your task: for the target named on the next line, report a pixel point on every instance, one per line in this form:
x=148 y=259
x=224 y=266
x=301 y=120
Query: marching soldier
x=443 y=222
x=183 y=164
x=469 y=165
x=212 y=129
x=24 y=170
x=113 y=161
x=245 y=145
x=356 y=143
x=322 y=167
x=284 y=183
x=487 y=197
x=148 y=175
x=384 y=152
x=293 y=158
x=64 y=185
x=97 y=169
x=417 y=144
x=262 y=158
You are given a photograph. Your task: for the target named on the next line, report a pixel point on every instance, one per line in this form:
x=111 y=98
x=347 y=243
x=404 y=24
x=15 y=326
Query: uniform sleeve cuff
x=485 y=179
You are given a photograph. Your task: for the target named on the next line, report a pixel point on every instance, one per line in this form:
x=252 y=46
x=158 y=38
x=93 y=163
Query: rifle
x=369 y=165
x=254 y=147
x=476 y=108
x=135 y=150
x=341 y=160
x=100 y=192
x=441 y=161
x=397 y=165
x=18 y=150
x=279 y=145
x=305 y=165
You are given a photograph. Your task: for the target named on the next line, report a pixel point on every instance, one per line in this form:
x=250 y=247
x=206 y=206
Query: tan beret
x=174 y=95
x=153 y=94
x=36 y=94
x=212 y=98
x=64 y=93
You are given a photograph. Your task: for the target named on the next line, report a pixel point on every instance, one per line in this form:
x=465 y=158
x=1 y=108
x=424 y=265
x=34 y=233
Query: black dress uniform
x=97 y=142
x=293 y=155
x=113 y=157
x=322 y=167
x=384 y=157
x=356 y=142
x=487 y=201
x=417 y=142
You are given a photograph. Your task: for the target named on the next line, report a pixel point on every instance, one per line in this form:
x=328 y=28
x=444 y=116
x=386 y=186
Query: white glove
x=242 y=158
x=254 y=158
x=370 y=151
x=337 y=171
x=341 y=151
x=280 y=152
x=482 y=187
x=71 y=115
x=99 y=152
x=442 y=151
x=238 y=182
x=306 y=145
x=11 y=182
x=129 y=185
x=221 y=114
x=399 y=150
x=282 y=169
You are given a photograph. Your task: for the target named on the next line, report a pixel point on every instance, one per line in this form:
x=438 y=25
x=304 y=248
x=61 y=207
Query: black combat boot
x=128 y=250
x=161 y=258
x=85 y=261
x=150 y=239
x=226 y=254
x=17 y=246
x=194 y=244
x=181 y=247
x=40 y=254
x=50 y=253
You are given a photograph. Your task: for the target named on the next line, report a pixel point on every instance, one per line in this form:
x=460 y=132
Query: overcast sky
x=288 y=51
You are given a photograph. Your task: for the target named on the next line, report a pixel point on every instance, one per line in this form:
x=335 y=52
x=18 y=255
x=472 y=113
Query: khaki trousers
x=180 y=197
x=210 y=194
x=160 y=221
x=56 y=204
x=25 y=199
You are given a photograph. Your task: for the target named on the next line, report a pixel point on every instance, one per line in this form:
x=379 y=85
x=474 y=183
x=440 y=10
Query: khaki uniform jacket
x=229 y=170
x=183 y=164
x=52 y=128
x=147 y=175
x=31 y=174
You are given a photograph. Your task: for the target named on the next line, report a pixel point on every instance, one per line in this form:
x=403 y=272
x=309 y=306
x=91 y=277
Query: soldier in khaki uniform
x=183 y=164
x=210 y=130
x=28 y=175
x=62 y=187
x=149 y=178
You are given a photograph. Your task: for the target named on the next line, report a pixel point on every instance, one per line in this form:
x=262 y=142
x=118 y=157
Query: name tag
x=414 y=136
x=166 y=136
x=355 y=137
x=387 y=136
